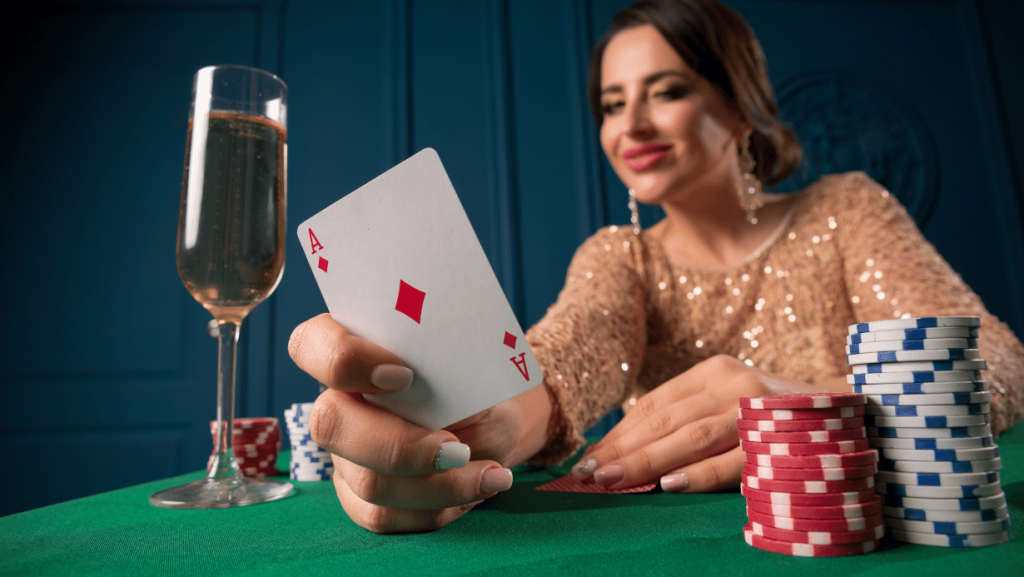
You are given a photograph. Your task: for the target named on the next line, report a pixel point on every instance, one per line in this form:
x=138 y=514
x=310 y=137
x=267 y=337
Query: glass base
x=214 y=494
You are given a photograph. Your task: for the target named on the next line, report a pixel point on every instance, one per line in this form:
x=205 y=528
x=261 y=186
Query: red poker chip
x=800 y=414
x=803 y=401
x=800 y=425
x=792 y=449
x=831 y=525
x=804 y=436
x=808 y=499
x=835 y=461
x=805 y=550
x=818 y=537
x=775 y=485
x=825 y=512
x=838 y=474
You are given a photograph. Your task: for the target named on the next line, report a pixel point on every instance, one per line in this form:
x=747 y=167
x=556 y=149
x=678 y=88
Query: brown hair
x=719 y=45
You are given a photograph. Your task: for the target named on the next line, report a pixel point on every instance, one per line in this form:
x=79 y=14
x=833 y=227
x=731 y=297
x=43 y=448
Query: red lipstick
x=645 y=156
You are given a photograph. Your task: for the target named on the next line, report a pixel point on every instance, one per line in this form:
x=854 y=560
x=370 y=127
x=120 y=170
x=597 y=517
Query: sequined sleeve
x=590 y=343
x=893 y=271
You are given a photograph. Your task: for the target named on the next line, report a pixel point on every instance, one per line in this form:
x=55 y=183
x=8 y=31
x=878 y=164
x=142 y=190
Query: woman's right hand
x=392 y=476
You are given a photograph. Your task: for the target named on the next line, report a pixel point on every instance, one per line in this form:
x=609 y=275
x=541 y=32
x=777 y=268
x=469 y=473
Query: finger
x=722 y=471
x=691 y=443
x=371 y=437
x=335 y=357
x=390 y=519
x=474 y=482
x=630 y=436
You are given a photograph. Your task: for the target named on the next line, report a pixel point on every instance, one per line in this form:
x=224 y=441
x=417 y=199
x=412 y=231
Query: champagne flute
x=230 y=253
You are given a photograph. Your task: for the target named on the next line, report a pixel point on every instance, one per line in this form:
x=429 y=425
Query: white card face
x=399 y=265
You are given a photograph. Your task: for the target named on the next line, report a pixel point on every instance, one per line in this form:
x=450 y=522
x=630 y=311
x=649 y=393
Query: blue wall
x=106 y=373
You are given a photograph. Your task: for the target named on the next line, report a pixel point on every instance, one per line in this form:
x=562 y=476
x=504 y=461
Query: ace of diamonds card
x=399 y=265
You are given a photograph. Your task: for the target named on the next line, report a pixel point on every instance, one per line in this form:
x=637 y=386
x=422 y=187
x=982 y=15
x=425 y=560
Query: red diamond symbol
x=322 y=264
x=510 y=340
x=410 y=300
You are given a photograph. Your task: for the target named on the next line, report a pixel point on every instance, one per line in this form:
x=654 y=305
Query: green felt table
x=521 y=531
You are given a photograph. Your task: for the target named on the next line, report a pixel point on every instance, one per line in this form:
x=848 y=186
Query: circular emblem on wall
x=844 y=124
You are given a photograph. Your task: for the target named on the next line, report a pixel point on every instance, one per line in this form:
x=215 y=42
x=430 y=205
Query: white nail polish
x=391 y=377
x=451 y=455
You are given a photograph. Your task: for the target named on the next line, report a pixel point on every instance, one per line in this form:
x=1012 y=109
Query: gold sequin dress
x=629 y=318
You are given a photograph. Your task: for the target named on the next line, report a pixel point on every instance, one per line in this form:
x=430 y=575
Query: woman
x=731 y=295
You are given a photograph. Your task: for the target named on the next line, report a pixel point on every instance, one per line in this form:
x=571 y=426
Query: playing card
x=399 y=265
x=569 y=484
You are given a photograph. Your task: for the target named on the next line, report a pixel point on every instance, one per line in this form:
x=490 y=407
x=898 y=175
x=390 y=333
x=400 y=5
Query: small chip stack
x=256 y=442
x=309 y=461
x=809 y=475
x=928 y=414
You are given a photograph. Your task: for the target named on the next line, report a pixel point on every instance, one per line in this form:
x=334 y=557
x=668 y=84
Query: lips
x=645 y=156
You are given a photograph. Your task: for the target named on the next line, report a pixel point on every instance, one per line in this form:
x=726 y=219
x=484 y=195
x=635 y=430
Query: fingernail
x=391 y=377
x=451 y=455
x=675 y=482
x=583 y=469
x=609 y=475
x=495 y=480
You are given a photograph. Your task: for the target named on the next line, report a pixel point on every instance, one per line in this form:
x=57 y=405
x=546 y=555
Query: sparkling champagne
x=231 y=227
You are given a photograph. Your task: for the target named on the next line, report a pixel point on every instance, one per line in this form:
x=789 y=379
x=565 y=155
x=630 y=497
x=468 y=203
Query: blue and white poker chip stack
x=309 y=461
x=927 y=413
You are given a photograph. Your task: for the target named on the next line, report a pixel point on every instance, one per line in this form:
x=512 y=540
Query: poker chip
x=818 y=537
x=916 y=323
x=939 y=516
x=830 y=525
x=911 y=345
x=828 y=448
x=919 y=388
x=801 y=424
x=912 y=377
x=942 y=540
x=802 y=401
x=810 y=474
x=927 y=422
x=929 y=433
x=808 y=499
x=775 y=485
x=913 y=334
x=900 y=465
x=937 y=479
x=804 y=549
x=832 y=461
x=931 y=443
x=921 y=366
x=927 y=410
x=826 y=512
x=930 y=399
x=803 y=436
x=947 y=528
x=255 y=443
x=994 y=501
x=800 y=414
x=310 y=462
x=982 y=454
x=930 y=357
x=926 y=492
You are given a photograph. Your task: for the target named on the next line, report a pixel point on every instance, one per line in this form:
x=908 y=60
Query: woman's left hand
x=683 y=433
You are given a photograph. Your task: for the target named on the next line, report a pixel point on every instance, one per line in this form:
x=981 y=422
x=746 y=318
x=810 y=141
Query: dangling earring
x=634 y=213
x=749 y=192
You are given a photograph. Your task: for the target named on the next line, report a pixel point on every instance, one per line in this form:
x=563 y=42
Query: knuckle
x=645 y=406
x=295 y=341
x=701 y=436
x=367 y=485
x=660 y=424
x=325 y=423
x=643 y=464
x=340 y=358
x=713 y=473
x=378 y=519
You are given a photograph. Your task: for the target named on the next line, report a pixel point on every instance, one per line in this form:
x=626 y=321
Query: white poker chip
x=929 y=421
x=927 y=410
x=909 y=376
x=900 y=465
x=969 y=504
x=931 y=399
x=957 y=528
x=918 y=345
x=918 y=323
x=938 y=479
x=887 y=490
x=913 y=334
x=921 y=366
x=946 y=516
x=922 y=388
x=982 y=454
x=939 y=540
x=907 y=356
x=931 y=443
x=929 y=433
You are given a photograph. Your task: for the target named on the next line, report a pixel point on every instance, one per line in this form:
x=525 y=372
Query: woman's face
x=667 y=131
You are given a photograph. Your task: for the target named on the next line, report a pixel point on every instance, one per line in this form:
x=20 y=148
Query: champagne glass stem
x=225 y=468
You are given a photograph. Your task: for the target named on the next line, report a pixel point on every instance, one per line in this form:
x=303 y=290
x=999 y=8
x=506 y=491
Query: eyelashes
x=668 y=94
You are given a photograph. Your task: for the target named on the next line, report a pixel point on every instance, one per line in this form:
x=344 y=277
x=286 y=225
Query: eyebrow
x=651 y=79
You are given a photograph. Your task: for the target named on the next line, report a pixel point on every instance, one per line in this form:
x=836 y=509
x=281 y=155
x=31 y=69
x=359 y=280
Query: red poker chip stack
x=256 y=442
x=809 y=476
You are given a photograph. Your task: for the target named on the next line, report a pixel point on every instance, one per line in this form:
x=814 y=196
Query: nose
x=637 y=119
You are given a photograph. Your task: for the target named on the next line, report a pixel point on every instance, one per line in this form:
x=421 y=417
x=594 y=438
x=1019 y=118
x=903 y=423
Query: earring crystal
x=750 y=194
x=634 y=213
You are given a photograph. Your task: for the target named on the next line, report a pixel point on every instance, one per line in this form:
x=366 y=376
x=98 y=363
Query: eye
x=610 y=107
x=671 y=92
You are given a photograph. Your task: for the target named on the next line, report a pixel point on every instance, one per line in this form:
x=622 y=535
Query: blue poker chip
x=901 y=465
x=930 y=355
x=913 y=367
x=938 y=479
x=938 y=540
x=981 y=454
x=927 y=410
x=922 y=388
x=931 y=399
x=946 y=516
x=994 y=501
x=928 y=421
x=916 y=345
x=913 y=334
x=910 y=376
x=950 y=528
x=932 y=443
x=929 y=433
x=939 y=493
x=918 y=323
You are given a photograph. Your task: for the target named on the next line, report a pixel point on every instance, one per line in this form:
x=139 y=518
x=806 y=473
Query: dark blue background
x=107 y=376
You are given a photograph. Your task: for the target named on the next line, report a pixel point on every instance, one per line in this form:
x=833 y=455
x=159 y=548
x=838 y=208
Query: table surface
x=521 y=530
